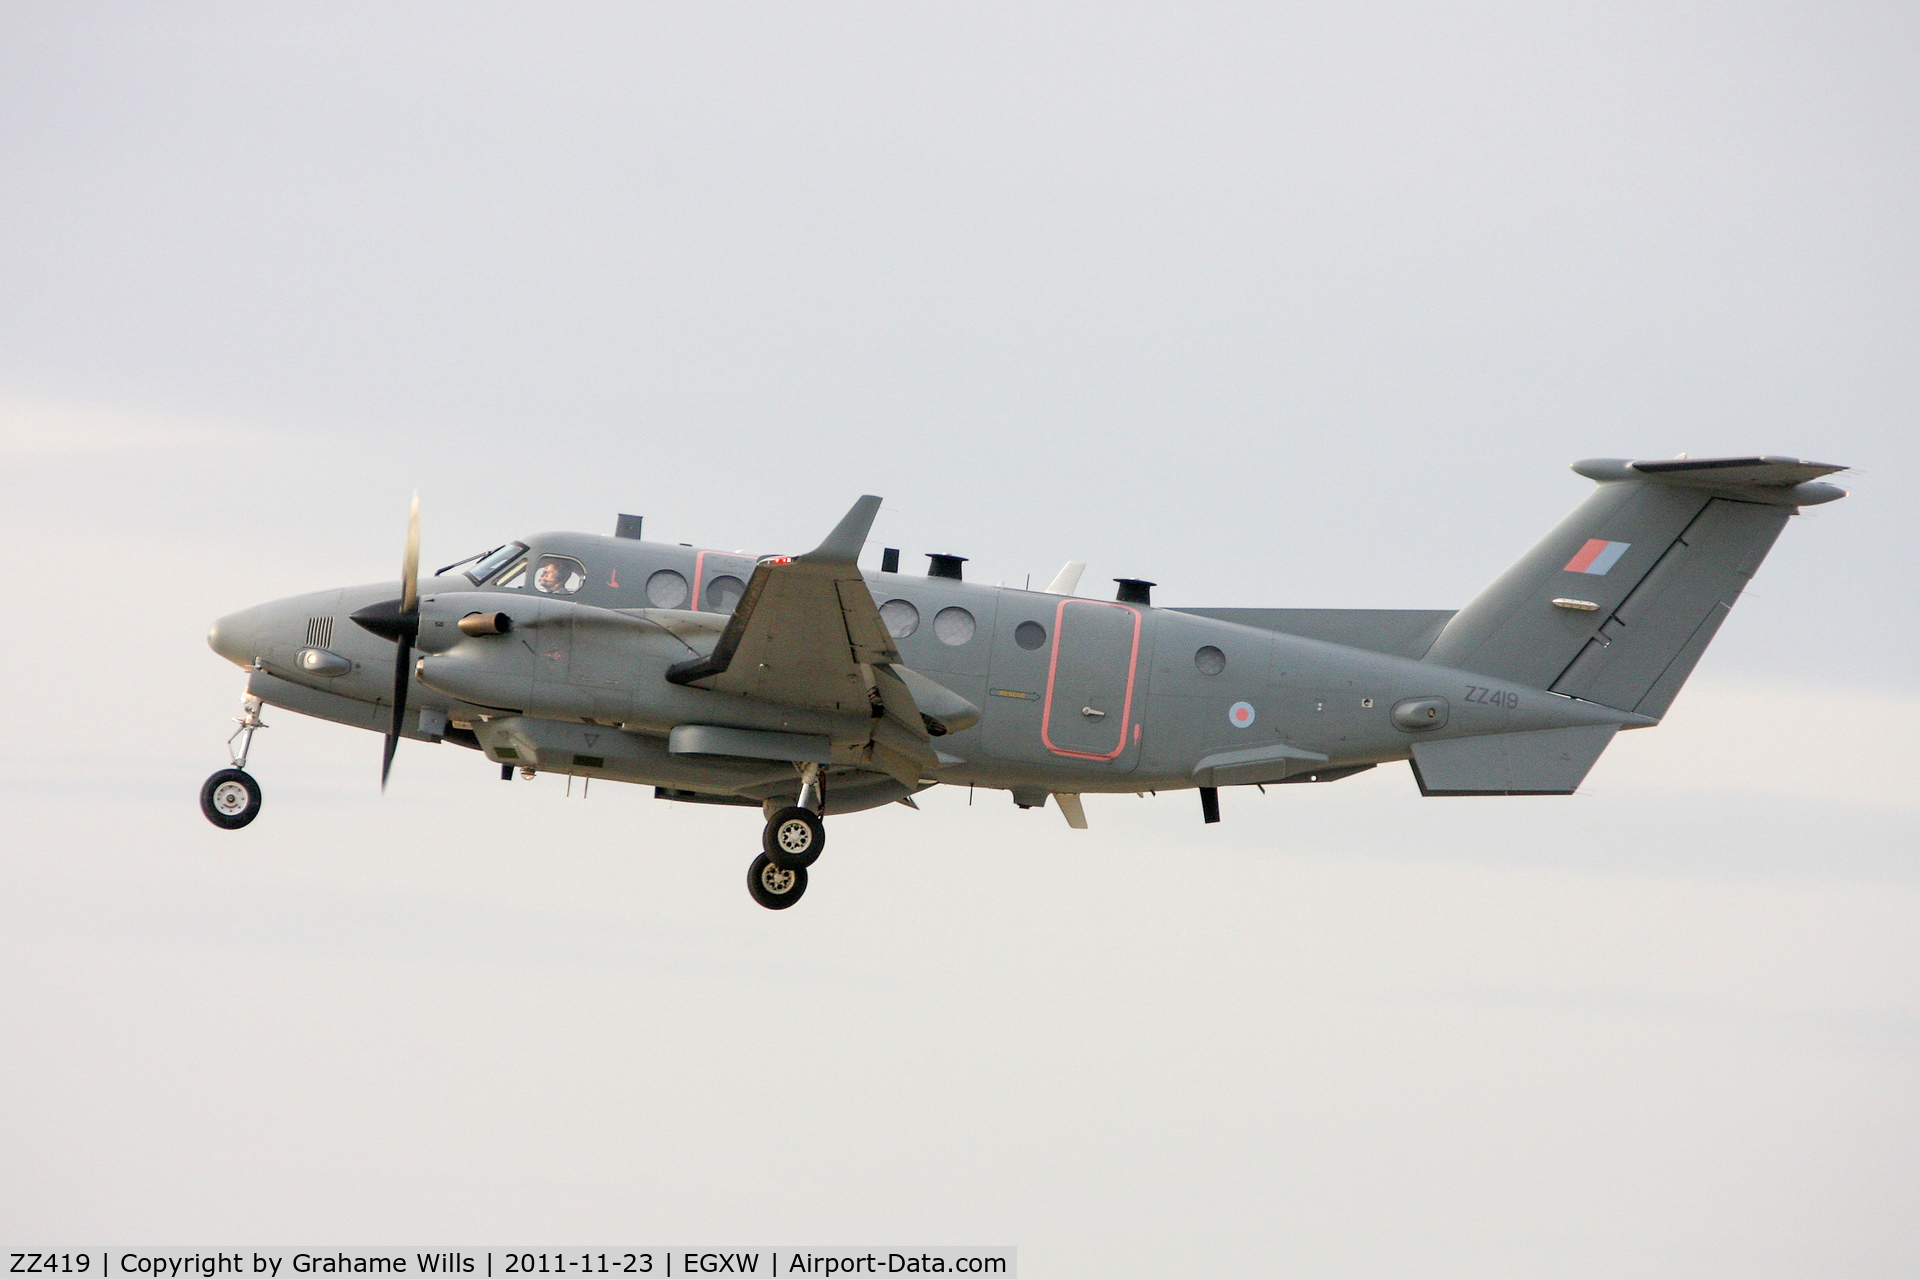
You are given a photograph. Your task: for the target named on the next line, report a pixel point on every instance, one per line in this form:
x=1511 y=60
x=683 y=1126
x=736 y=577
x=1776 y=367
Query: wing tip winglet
x=844 y=544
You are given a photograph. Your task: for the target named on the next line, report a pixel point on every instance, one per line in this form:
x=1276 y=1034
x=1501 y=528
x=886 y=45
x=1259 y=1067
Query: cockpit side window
x=559 y=575
x=495 y=560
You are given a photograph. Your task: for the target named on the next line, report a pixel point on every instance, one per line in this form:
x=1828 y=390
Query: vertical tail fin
x=1616 y=605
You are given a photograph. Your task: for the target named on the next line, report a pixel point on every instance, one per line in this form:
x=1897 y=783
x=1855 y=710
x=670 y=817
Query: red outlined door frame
x=1053 y=667
x=700 y=571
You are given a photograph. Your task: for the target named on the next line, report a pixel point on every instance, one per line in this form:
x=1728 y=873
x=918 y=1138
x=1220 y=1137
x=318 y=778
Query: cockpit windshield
x=495 y=560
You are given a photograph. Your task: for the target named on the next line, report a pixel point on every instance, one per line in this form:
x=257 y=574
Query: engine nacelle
x=559 y=660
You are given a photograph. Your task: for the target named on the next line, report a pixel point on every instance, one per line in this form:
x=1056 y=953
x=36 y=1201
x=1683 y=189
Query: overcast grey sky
x=1274 y=305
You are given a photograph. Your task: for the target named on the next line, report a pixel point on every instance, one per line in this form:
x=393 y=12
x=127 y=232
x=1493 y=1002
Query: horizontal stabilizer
x=1785 y=481
x=1544 y=762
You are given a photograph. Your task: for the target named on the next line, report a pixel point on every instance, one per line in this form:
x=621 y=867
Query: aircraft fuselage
x=1073 y=695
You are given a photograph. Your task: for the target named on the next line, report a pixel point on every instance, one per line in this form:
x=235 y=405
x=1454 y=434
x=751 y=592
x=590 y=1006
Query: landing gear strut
x=791 y=843
x=795 y=835
x=231 y=798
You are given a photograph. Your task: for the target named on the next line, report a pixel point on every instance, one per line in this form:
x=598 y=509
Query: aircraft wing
x=807 y=634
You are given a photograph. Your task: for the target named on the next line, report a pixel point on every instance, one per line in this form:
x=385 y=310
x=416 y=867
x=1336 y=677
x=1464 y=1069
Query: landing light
x=322 y=662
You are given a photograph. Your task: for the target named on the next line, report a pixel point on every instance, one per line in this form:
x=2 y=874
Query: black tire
x=794 y=838
x=230 y=799
x=763 y=877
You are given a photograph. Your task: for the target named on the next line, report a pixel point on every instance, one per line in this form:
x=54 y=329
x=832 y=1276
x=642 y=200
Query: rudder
x=1616 y=605
x=1644 y=651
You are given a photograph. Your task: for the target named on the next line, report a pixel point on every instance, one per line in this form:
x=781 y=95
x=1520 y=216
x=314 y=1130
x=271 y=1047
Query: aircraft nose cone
x=236 y=637
x=385 y=620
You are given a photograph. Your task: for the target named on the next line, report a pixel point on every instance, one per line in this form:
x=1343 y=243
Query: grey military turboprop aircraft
x=802 y=686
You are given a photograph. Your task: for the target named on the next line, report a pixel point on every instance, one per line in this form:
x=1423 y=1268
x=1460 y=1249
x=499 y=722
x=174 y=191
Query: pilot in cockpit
x=559 y=575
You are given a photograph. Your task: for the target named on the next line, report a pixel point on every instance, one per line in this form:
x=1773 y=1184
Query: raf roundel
x=1240 y=715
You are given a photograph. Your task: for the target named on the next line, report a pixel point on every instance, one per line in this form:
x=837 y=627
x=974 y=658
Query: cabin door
x=1092 y=700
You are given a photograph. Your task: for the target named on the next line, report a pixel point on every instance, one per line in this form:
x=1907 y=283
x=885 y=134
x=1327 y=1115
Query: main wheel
x=775 y=888
x=794 y=837
x=230 y=799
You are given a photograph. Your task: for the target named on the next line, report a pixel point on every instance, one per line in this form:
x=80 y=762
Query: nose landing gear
x=231 y=797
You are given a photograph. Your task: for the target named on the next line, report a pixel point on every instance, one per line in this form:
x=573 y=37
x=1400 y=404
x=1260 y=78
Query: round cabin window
x=666 y=589
x=723 y=593
x=901 y=618
x=1029 y=635
x=1210 y=660
x=953 y=625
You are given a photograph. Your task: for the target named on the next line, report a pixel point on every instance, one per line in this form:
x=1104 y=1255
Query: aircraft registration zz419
x=802 y=686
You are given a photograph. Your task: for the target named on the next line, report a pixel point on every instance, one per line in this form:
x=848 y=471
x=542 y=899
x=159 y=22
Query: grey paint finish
x=1405 y=633
x=1545 y=762
x=1250 y=765
x=1512 y=629
x=749 y=744
x=1784 y=481
x=1693 y=529
x=1047 y=693
x=944 y=709
x=1088 y=709
x=1696 y=581
x=602 y=752
x=319 y=703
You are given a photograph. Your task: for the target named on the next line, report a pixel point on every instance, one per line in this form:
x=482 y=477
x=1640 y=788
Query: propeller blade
x=403 y=627
x=402 y=657
x=410 y=565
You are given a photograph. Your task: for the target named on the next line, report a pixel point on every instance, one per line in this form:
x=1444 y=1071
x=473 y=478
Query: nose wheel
x=231 y=798
x=774 y=887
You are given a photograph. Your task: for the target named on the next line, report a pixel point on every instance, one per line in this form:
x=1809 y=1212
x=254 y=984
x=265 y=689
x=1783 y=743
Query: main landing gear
x=231 y=798
x=791 y=843
x=793 y=838
x=775 y=888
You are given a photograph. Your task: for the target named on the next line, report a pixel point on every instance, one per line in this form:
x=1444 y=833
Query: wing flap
x=867 y=635
x=901 y=745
